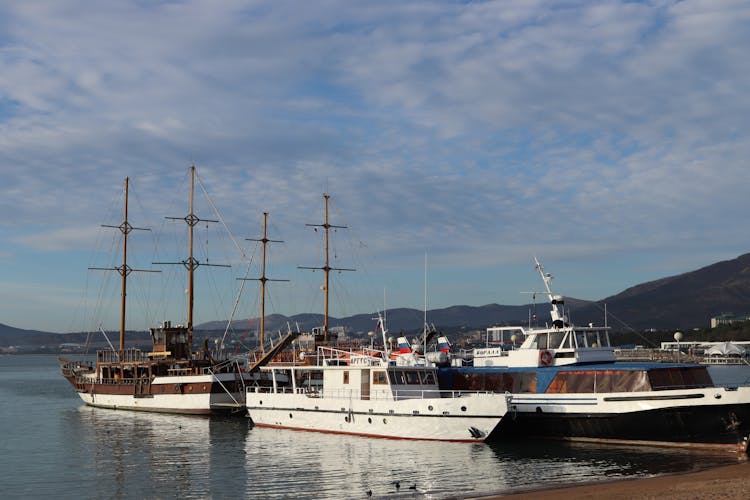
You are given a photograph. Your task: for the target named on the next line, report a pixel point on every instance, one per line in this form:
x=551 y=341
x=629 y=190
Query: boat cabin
x=170 y=341
x=548 y=347
x=359 y=375
x=593 y=378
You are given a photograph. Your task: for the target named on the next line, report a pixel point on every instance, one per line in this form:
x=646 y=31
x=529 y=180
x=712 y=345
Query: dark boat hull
x=725 y=426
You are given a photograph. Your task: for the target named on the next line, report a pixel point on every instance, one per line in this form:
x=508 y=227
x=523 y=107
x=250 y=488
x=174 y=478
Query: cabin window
x=569 y=340
x=679 y=378
x=516 y=382
x=346 y=376
x=397 y=378
x=592 y=339
x=540 y=342
x=379 y=377
x=412 y=378
x=580 y=339
x=555 y=340
x=428 y=378
x=597 y=381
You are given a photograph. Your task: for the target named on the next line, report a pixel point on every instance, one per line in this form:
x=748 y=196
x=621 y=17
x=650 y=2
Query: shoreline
x=726 y=481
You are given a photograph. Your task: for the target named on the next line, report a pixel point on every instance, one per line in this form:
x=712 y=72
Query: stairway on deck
x=273 y=351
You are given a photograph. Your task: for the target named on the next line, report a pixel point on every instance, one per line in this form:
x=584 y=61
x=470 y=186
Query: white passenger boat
x=367 y=393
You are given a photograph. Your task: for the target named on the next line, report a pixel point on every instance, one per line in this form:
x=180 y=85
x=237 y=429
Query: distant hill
x=683 y=301
x=401 y=319
x=16 y=336
x=11 y=336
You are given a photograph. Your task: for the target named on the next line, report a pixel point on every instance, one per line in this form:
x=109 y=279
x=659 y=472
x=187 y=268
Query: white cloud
x=486 y=130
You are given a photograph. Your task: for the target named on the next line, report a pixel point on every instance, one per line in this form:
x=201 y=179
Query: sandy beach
x=731 y=482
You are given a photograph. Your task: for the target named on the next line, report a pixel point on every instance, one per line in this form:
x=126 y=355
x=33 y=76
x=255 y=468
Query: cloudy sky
x=610 y=139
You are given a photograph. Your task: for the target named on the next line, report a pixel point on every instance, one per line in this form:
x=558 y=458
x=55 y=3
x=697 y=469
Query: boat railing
x=126 y=356
x=112 y=381
x=373 y=395
x=71 y=368
x=723 y=360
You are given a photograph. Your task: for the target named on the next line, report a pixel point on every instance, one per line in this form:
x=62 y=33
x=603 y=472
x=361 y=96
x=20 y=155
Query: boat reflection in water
x=120 y=454
x=55 y=447
x=151 y=455
x=282 y=463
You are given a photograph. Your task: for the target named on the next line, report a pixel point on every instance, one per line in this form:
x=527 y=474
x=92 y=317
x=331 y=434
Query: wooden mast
x=326 y=268
x=123 y=273
x=191 y=263
x=263 y=279
x=124 y=270
x=191 y=220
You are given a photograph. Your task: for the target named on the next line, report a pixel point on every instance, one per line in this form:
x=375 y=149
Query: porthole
x=463 y=408
x=369 y=420
x=430 y=408
x=385 y=421
x=290 y=416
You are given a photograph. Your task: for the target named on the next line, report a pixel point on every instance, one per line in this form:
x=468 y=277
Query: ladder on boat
x=273 y=351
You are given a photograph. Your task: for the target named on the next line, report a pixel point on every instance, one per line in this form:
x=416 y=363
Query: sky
x=457 y=140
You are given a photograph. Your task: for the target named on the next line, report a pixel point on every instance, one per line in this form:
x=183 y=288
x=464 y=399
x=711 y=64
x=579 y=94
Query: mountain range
x=683 y=301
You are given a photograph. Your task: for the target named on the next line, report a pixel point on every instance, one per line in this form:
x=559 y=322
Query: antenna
x=326 y=267
x=263 y=281
x=558 y=319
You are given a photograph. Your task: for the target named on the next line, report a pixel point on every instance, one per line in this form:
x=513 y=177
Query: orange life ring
x=545 y=357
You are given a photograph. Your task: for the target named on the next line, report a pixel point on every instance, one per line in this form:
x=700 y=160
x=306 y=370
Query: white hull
x=628 y=402
x=469 y=418
x=197 y=399
x=167 y=403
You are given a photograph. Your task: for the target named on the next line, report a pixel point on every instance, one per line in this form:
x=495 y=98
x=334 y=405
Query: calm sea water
x=53 y=446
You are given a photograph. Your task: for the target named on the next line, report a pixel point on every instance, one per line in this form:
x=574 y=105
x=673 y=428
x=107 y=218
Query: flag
x=403 y=345
x=444 y=345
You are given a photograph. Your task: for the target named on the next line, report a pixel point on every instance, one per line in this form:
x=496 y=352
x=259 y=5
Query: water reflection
x=540 y=464
x=283 y=463
x=53 y=446
x=136 y=454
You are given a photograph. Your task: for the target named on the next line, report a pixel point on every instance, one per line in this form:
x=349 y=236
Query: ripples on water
x=52 y=445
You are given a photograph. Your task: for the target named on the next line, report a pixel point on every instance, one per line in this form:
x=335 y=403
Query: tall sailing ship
x=172 y=377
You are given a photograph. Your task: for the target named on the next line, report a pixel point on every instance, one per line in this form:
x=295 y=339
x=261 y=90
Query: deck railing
x=128 y=356
x=374 y=395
